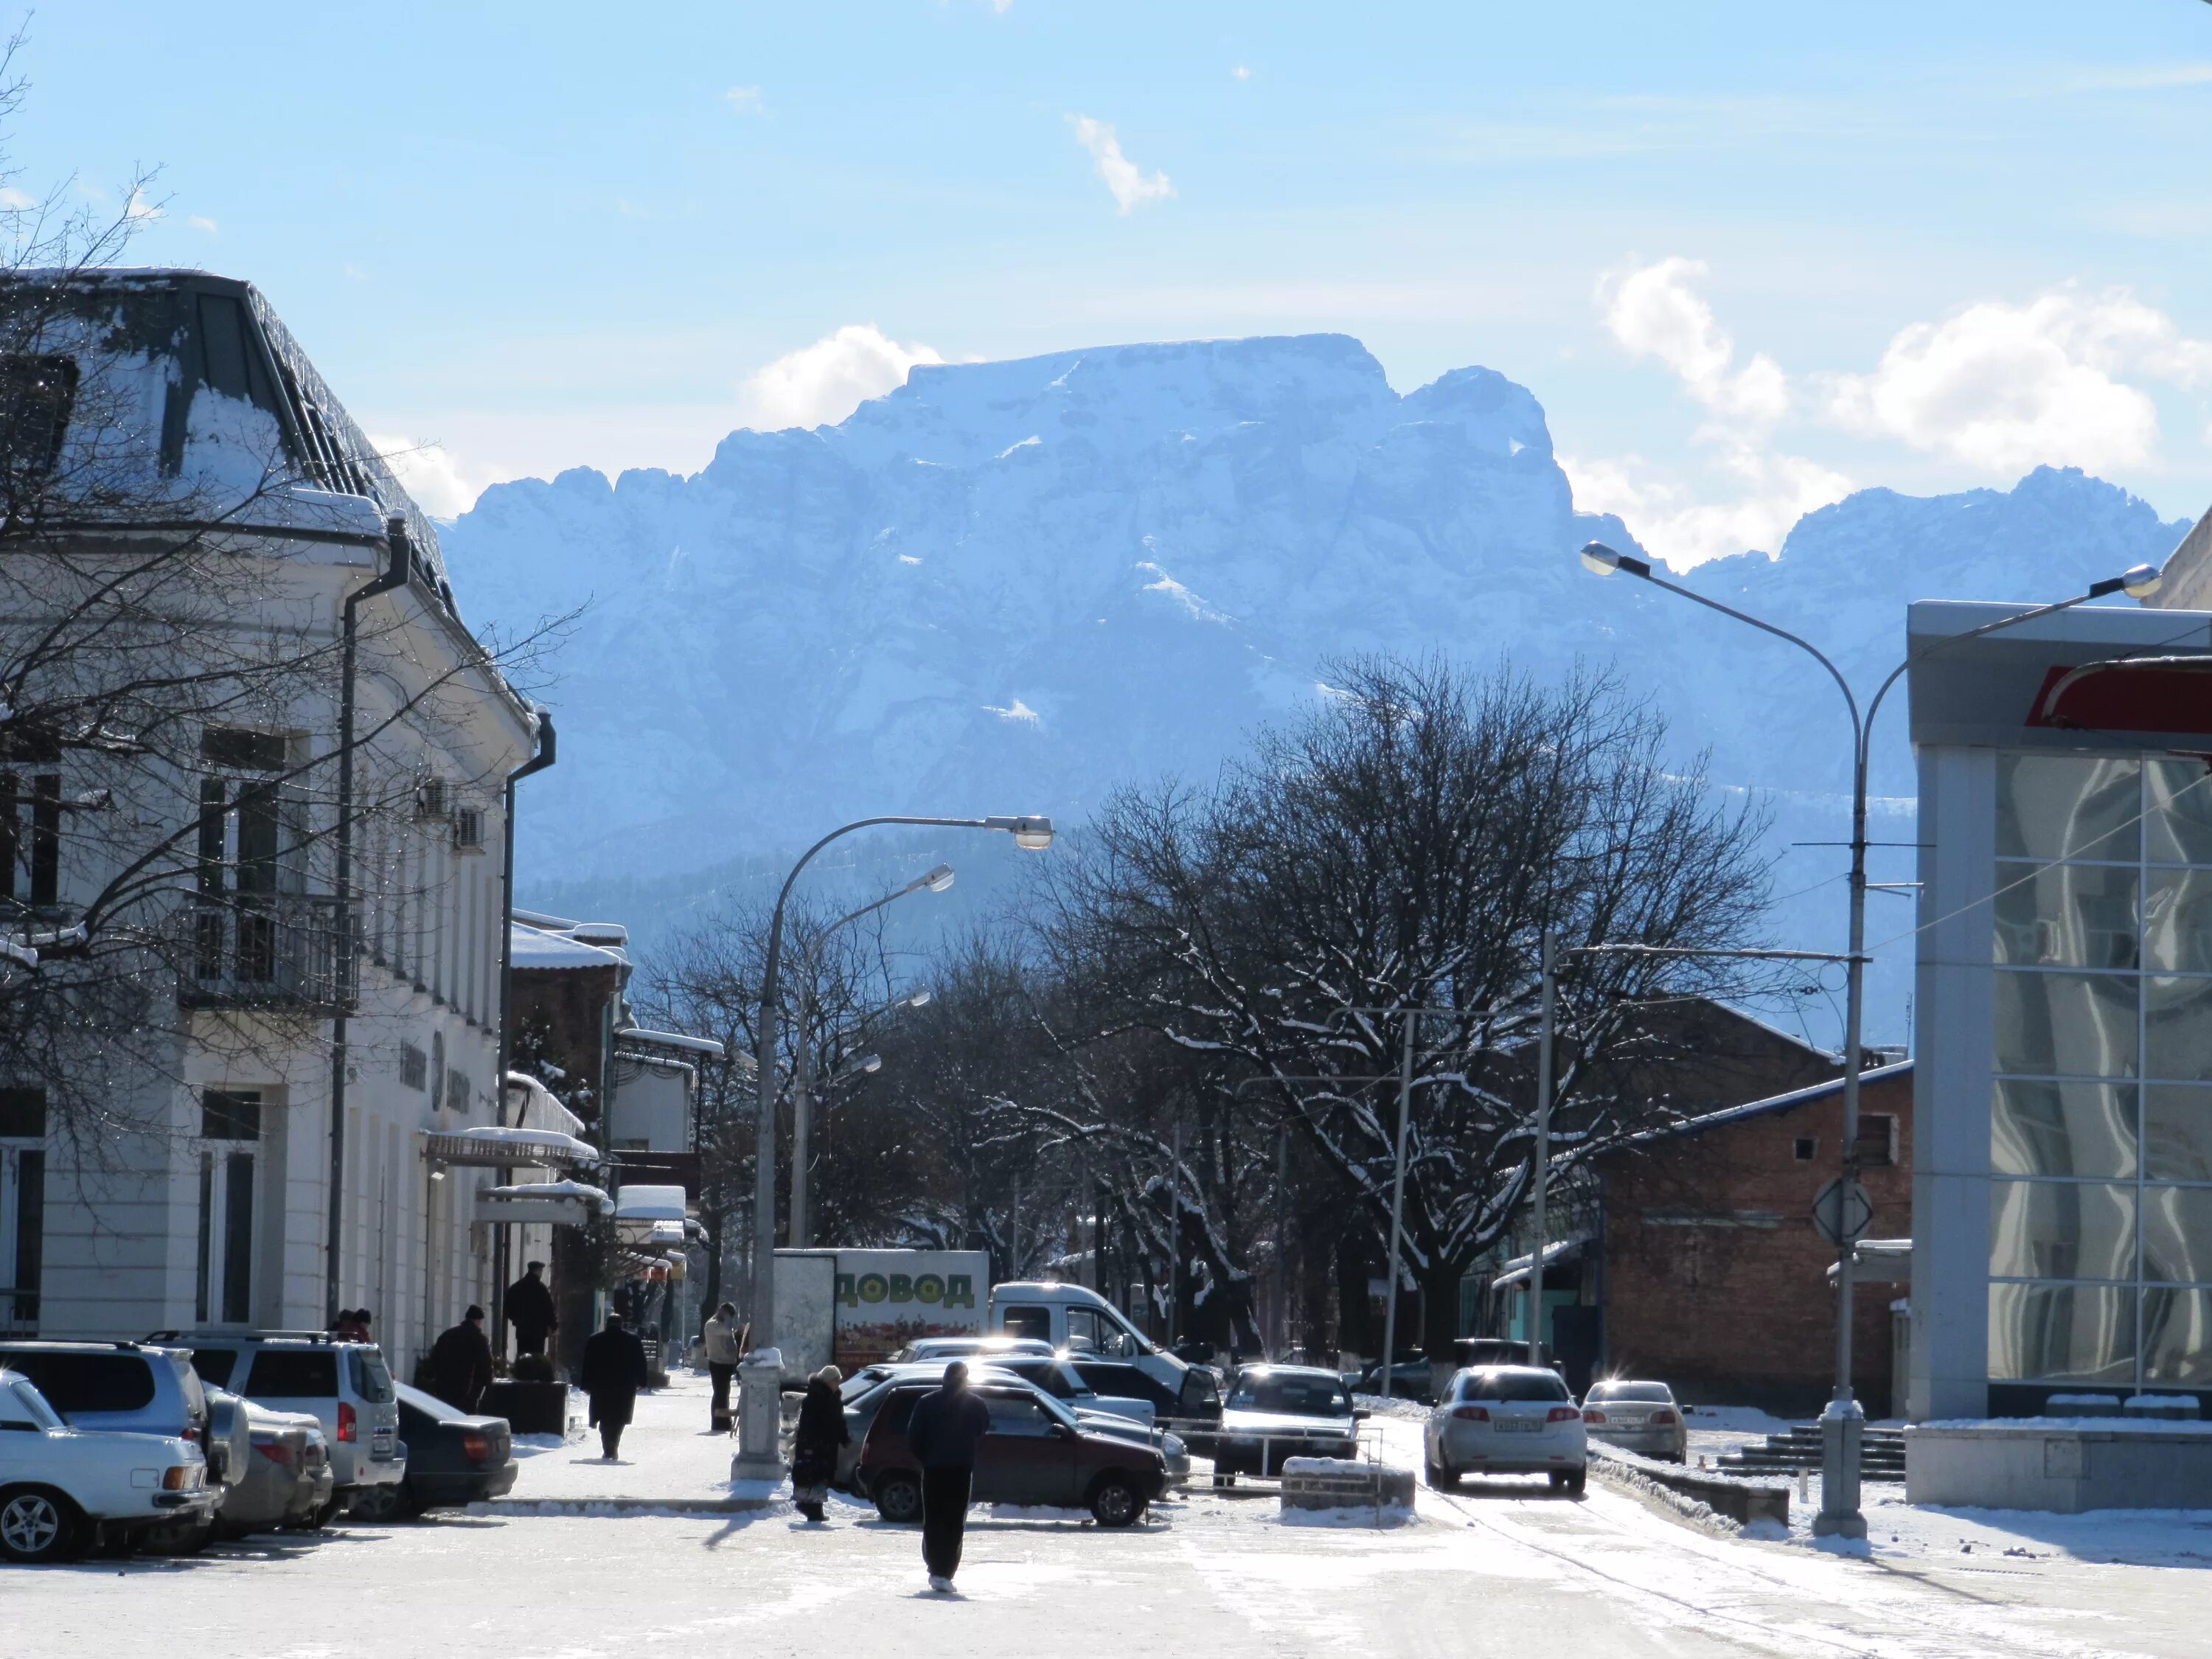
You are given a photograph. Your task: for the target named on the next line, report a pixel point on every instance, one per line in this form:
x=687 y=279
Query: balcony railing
x=19 y=1312
x=284 y=950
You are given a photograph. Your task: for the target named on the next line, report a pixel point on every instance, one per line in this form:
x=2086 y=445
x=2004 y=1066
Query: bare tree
x=1401 y=851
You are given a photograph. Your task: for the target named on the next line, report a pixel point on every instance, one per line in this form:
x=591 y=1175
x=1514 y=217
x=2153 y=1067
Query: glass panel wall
x=2100 y=1128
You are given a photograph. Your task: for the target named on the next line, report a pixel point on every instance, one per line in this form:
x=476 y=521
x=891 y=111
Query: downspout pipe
x=548 y=750
x=398 y=565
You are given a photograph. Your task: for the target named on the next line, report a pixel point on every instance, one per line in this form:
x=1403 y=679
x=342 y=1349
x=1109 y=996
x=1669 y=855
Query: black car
x=453 y=1459
x=1195 y=1412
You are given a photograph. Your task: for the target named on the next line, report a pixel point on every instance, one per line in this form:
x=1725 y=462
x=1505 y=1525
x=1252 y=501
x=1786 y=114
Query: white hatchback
x=1506 y=1419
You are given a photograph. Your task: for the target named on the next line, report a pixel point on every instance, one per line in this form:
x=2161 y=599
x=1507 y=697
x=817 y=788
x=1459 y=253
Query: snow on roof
x=540 y=918
x=1790 y=1101
x=650 y=1203
x=553 y=1141
x=539 y=1107
x=697 y=1045
x=582 y=1189
x=539 y=947
x=1517 y=1268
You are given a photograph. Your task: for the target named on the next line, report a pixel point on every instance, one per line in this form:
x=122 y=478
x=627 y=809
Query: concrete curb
x=1735 y=1499
x=627 y=1505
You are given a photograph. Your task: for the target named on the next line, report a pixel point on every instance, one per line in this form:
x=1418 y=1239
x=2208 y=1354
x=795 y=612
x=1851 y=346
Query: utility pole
x=1398 y=1201
x=1538 y=1331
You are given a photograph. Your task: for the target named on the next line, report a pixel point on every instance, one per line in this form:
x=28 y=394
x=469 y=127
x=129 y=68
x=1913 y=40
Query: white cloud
x=826 y=381
x=200 y=221
x=1772 y=493
x=429 y=472
x=1654 y=312
x=2004 y=387
x=14 y=200
x=1241 y=72
x=138 y=208
x=1131 y=187
x=746 y=100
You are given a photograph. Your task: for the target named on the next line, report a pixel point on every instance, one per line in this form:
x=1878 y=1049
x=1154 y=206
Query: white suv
x=60 y=1486
x=346 y=1386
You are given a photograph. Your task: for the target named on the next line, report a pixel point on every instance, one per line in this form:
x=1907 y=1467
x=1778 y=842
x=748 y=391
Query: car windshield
x=1513 y=1385
x=1655 y=1393
x=1295 y=1396
x=863 y=1382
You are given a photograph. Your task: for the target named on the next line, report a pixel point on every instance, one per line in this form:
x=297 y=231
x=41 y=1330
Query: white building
x=263 y=1157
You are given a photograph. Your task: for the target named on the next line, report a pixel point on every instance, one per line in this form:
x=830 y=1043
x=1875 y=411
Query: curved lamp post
x=1032 y=833
x=800 y=1233
x=1842 y=1422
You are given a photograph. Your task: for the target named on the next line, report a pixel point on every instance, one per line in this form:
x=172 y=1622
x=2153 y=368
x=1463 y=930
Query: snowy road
x=1506 y=1570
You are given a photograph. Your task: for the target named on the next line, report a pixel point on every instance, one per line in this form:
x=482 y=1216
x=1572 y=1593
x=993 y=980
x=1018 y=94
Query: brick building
x=1710 y=1272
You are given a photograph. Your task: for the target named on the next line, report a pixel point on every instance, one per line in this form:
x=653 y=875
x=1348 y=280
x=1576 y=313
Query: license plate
x=1518 y=1426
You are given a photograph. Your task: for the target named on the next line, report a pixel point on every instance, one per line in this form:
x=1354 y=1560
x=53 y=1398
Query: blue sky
x=1747 y=256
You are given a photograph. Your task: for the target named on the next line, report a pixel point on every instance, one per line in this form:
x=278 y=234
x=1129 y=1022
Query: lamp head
x=1603 y=561
x=938 y=879
x=919 y=999
x=869 y=1063
x=1032 y=833
x=2141 y=581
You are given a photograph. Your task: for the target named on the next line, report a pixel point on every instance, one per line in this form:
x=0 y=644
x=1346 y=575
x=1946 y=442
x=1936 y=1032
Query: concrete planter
x=2063 y=1466
x=1339 y=1482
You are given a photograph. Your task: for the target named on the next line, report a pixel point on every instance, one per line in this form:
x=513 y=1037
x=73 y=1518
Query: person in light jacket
x=721 y=1342
x=814 y=1447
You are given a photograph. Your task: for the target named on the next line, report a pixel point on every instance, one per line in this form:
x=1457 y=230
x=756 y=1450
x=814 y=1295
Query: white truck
x=855 y=1308
x=1112 y=1356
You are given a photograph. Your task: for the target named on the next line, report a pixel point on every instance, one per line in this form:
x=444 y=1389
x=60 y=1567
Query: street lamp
x=757 y=1453
x=1842 y=1422
x=800 y=1233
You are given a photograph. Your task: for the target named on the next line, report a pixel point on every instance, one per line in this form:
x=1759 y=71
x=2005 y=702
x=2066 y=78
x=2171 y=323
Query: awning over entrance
x=490 y=1148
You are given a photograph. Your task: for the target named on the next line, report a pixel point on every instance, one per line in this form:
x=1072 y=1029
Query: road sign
x=1843 y=1214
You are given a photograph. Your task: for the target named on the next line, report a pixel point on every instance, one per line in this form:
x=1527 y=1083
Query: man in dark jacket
x=530 y=1311
x=612 y=1372
x=460 y=1361
x=946 y=1428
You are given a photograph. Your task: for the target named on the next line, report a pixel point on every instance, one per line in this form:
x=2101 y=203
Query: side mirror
x=1360 y=1413
x=1062 y=1431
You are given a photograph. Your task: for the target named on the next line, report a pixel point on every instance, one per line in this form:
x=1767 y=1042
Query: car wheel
x=37 y=1524
x=1115 y=1503
x=380 y=1503
x=1574 y=1481
x=1443 y=1478
x=898 y=1498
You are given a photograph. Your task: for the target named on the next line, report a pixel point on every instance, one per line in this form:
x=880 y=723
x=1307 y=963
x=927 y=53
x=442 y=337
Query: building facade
x=2062 y=1190
x=299 y=870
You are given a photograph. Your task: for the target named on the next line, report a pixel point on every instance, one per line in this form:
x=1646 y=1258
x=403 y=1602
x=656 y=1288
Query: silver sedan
x=1506 y=1419
x=1638 y=1417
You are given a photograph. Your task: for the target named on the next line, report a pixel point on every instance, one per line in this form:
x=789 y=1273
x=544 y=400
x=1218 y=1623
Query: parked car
x=1479 y=1353
x=345 y=1386
x=133 y=1386
x=1506 y=1419
x=229 y=1445
x=1035 y=1453
x=289 y=1479
x=1275 y=1412
x=1411 y=1378
x=1638 y=1417
x=969 y=1347
x=866 y=1390
x=61 y=1488
x=1192 y=1405
x=453 y=1459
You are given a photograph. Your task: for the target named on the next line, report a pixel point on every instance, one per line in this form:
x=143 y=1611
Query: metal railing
x=287 y=950
x=18 y=1311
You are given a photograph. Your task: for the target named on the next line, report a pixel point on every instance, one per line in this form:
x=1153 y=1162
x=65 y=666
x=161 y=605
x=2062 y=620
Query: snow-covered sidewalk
x=671 y=1461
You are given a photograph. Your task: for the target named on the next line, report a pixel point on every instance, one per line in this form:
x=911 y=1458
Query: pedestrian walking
x=530 y=1311
x=460 y=1361
x=350 y=1325
x=946 y=1427
x=720 y=1340
x=822 y=1434
x=612 y=1372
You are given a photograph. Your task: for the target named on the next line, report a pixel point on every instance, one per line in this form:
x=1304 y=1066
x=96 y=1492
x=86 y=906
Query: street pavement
x=1506 y=1568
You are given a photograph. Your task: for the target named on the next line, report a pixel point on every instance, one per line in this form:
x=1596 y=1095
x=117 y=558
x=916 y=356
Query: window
x=370 y=1377
x=459 y=1090
x=74 y=1382
x=229 y=360
x=22 y=1114
x=1877 y=1143
x=1028 y=1321
x=1295 y=1396
x=294 y=1374
x=215 y=1365
x=30 y=864
x=36 y=396
x=230 y=1115
x=223 y=1276
x=1512 y=1386
x=242 y=852
x=1806 y=1149
x=1011 y=1415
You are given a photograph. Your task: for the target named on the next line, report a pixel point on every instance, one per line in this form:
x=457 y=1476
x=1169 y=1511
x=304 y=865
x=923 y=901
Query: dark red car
x=1035 y=1453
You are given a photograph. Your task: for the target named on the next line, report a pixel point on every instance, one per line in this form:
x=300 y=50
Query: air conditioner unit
x=433 y=799
x=468 y=828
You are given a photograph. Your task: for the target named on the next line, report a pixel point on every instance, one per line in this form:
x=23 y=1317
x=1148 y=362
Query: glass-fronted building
x=2063 y=1195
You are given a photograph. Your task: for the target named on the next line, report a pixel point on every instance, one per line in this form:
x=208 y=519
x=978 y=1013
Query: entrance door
x=230 y=1135
x=22 y=1208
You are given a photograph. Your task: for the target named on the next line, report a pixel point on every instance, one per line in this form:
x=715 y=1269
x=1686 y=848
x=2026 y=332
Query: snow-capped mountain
x=1009 y=587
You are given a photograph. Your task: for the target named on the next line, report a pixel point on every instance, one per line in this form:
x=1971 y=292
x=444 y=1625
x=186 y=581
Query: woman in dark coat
x=815 y=1446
